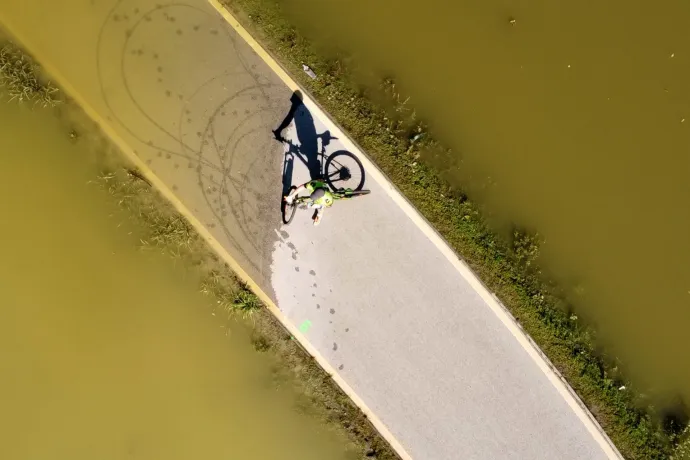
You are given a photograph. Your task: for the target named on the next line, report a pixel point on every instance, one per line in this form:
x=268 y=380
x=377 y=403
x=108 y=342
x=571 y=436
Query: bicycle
x=288 y=210
x=340 y=170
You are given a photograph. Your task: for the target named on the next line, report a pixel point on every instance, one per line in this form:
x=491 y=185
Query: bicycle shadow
x=306 y=148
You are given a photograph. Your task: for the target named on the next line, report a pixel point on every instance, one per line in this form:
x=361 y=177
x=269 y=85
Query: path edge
x=493 y=302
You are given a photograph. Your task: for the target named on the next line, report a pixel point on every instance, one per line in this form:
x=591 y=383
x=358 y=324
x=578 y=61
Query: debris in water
x=512 y=21
x=136 y=174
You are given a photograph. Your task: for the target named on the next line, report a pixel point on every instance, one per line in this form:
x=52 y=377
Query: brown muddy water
x=573 y=119
x=109 y=352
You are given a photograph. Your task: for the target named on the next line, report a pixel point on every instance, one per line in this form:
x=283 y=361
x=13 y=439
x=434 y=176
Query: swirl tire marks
x=201 y=107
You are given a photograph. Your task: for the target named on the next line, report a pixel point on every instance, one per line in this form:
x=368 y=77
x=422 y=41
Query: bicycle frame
x=344 y=194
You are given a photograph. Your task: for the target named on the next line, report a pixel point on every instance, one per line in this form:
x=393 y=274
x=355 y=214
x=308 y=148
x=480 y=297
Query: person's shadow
x=308 y=149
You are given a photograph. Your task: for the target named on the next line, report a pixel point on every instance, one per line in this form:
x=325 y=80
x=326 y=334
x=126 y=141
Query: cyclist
x=320 y=197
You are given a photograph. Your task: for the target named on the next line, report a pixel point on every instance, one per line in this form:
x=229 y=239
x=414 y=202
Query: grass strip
x=386 y=127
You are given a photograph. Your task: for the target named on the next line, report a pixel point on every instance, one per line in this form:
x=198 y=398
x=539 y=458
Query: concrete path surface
x=375 y=294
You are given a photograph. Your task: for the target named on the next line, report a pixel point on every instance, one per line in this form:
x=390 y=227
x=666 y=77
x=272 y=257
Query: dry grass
x=20 y=79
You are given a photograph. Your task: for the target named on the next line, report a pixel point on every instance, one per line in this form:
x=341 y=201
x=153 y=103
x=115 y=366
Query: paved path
x=378 y=298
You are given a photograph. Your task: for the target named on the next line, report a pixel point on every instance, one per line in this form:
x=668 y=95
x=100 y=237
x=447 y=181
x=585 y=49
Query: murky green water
x=574 y=120
x=108 y=352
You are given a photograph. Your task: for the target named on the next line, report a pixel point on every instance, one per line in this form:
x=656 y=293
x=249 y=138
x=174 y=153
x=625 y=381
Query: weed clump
x=232 y=297
x=682 y=451
x=21 y=81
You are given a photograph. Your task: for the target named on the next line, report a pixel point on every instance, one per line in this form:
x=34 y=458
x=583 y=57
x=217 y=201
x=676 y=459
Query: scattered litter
x=308 y=71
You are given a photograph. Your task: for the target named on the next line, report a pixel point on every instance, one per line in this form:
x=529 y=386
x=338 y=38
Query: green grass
x=20 y=78
x=682 y=452
x=386 y=127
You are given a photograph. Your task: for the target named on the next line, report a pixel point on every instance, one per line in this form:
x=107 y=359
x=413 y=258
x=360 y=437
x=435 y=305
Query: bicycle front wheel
x=288 y=210
x=344 y=170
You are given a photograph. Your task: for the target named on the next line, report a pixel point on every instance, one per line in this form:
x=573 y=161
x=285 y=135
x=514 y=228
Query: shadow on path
x=306 y=147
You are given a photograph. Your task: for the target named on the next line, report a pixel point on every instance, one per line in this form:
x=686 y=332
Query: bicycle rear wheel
x=344 y=170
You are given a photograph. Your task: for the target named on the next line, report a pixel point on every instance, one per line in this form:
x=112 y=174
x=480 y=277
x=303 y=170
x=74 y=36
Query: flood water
x=108 y=352
x=573 y=120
